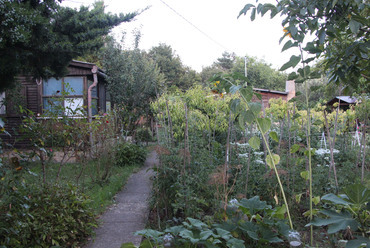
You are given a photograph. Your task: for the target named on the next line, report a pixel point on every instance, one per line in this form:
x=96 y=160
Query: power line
x=201 y=31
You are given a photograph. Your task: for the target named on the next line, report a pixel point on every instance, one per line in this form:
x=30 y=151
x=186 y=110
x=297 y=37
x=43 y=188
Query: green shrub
x=32 y=216
x=129 y=154
x=143 y=135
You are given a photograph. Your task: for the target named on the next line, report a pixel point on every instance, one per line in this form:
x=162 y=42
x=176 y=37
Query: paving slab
x=130 y=212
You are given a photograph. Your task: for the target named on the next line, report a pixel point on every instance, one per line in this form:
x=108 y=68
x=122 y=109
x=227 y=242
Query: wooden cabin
x=38 y=96
x=266 y=94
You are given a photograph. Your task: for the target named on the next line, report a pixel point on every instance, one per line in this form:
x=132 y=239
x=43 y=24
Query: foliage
x=259 y=73
x=349 y=212
x=341 y=36
x=248 y=222
x=143 y=135
x=40 y=38
x=170 y=65
x=207 y=112
x=44 y=216
x=127 y=154
x=133 y=81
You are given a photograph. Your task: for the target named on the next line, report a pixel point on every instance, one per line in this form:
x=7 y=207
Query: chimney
x=290 y=88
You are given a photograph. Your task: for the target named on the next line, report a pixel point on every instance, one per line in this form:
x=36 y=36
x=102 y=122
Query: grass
x=93 y=181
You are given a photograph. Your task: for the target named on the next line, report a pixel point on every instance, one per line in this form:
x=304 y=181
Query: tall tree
x=260 y=74
x=169 y=64
x=39 y=38
x=226 y=62
x=133 y=80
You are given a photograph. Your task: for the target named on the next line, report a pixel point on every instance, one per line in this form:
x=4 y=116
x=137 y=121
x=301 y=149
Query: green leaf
x=248 y=116
x=234 y=105
x=187 y=234
x=254 y=142
x=196 y=223
x=204 y=235
x=274 y=160
x=250 y=228
x=295 y=148
x=293 y=61
x=334 y=199
x=253 y=15
x=252 y=205
x=128 y=245
x=287 y=45
x=245 y=9
x=357 y=193
x=359 y=242
x=255 y=107
x=265 y=124
x=223 y=233
x=336 y=221
x=235 y=243
x=305 y=175
x=354 y=26
x=273 y=135
x=247 y=93
x=316 y=200
x=292 y=76
x=235 y=88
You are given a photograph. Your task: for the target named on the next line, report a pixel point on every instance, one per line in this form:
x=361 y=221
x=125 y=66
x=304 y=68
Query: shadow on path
x=130 y=212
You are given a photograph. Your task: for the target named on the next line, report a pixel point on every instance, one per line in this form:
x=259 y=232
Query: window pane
x=52 y=87
x=108 y=106
x=52 y=106
x=73 y=106
x=2 y=103
x=94 y=106
x=94 y=91
x=74 y=85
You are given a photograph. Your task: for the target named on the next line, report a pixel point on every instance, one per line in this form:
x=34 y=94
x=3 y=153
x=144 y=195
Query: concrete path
x=129 y=214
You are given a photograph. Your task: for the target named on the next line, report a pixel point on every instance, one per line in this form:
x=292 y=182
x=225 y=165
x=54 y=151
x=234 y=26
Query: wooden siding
x=32 y=95
x=266 y=96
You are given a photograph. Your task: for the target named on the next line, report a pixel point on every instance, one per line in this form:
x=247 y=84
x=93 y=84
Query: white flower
x=233 y=202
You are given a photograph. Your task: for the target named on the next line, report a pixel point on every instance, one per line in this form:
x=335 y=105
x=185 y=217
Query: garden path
x=130 y=212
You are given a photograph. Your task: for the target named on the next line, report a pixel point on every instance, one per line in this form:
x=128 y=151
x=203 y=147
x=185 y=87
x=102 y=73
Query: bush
x=129 y=154
x=143 y=135
x=44 y=216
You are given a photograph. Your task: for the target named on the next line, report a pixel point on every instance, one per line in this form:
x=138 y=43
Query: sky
x=199 y=31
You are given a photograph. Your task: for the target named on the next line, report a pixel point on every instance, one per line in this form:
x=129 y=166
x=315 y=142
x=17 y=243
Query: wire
x=201 y=31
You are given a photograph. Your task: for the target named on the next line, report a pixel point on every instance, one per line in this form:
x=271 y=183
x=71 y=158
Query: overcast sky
x=199 y=31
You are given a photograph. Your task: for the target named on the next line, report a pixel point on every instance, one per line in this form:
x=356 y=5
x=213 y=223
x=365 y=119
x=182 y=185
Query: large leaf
x=187 y=234
x=248 y=116
x=334 y=199
x=273 y=135
x=235 y=243
x=265 y=124
x=255 y=107
x=196 y=223
x=234 y=105
x=336 y=221
x=253 y=205
x=357 y=193
x=235 y=88
x=250 y=228
x=293 y=61
x=275 y=159
x=359 y=242
x=254 y=142
x=247 y=93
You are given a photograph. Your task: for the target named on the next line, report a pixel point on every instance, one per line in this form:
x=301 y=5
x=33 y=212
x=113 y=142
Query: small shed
x=344 y=102
x=39 y=95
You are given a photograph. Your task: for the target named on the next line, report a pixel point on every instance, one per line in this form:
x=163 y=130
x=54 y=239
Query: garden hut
x=38 y=95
